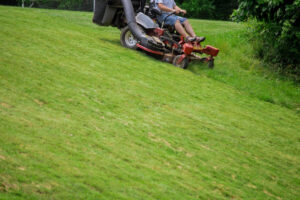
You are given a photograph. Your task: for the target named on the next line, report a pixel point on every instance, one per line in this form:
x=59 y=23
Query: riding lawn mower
x=143 y=31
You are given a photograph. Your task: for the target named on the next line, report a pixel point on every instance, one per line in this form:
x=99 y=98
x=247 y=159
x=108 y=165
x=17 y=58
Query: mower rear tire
x=184 y=63
x=127 y=39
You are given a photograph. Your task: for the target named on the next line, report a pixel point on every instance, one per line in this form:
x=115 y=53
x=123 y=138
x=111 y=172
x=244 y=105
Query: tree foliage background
x=275 y=31
x=84 y=5
x=207 y=9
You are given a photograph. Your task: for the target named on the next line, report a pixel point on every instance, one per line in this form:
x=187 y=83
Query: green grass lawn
x=81 y=117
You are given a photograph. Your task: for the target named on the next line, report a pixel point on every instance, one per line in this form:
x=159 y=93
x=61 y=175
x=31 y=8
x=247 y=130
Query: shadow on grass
x=112 y=41
x=198 y=68
x=118 y=43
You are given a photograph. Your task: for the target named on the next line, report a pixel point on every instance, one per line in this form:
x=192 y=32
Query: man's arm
x=179 y=9
x=176 y=9
x=165 y=8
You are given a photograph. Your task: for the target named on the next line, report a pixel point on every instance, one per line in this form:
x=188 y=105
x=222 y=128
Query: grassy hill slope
x=83 y=118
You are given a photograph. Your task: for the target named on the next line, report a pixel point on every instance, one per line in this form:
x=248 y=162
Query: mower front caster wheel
x=211 y=63
x=127 y=39
x=183 y=64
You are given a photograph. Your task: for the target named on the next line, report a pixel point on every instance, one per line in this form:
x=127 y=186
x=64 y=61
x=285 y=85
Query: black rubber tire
x=184 y=63
x=127 y=39
x=211 y=63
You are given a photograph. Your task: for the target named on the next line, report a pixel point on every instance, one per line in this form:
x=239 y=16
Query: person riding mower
x=181 y=24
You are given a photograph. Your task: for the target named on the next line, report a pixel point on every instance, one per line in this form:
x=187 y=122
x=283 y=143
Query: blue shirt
x=168 y=3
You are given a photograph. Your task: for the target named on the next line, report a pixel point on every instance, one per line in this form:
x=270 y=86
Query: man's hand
x=183 y=11
x=177 y=10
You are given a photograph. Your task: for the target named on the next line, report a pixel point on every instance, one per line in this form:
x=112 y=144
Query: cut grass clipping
x=81 y=117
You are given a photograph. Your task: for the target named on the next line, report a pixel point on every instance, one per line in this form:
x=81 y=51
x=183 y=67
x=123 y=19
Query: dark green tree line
x=209 y=9
x=84 y=5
